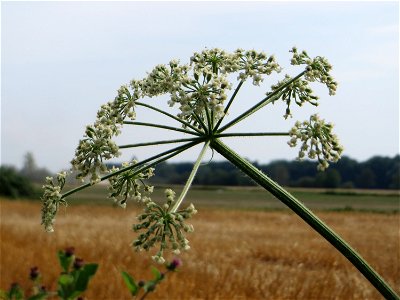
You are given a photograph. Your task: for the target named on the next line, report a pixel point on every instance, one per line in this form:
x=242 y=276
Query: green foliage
x=14 y=185
x=72 y=282
x=150 y=285
x=130 y=283
x=75 y=277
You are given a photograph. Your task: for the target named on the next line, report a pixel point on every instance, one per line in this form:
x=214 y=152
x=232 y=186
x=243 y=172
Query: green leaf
x=40 y=296
x=65 y=286
x=65 y=261
x=16 y=293
x=130 y=283
x=83 y=276
x=157 y=274
x=74 y=295
x=65 y=279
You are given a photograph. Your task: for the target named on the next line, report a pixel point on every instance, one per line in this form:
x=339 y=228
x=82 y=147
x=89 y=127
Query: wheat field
x=235 y=254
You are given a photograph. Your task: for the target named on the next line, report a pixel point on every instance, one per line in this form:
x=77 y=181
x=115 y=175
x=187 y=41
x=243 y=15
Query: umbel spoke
x=161 y=127
x=250 y=134
x=159 y=143
x=270 y=98
x=169 y=115
x=154 y=160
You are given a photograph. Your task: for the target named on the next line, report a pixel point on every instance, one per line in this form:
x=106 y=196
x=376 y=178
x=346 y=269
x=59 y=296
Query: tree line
x=377 y=172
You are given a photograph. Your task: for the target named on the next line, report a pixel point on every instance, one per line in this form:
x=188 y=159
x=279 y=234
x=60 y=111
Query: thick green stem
x=191 y=177
x=311 y=219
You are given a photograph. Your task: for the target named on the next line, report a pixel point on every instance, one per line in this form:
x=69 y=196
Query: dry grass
x=234 y=255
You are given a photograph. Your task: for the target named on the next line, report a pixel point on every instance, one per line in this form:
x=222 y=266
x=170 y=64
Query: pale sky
x=61 y=60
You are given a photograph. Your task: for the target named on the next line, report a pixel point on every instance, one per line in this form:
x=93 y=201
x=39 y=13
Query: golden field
x=235 y=254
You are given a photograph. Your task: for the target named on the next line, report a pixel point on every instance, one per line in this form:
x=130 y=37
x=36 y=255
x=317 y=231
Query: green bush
x=14 y=185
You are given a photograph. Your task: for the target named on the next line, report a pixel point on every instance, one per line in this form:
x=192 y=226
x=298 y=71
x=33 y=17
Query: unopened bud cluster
x=161 y=225
x=129 y=184
x=317 y=69
x=317 y=140
x=51 y=200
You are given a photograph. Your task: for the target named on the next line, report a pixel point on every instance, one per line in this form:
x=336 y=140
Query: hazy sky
x=61 y=60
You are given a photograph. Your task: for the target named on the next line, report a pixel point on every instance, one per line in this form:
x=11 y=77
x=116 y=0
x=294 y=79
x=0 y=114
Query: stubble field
x=236 y=254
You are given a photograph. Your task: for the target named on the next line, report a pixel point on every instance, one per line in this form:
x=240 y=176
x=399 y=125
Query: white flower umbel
x=317 y=140
x=202 y=92
x=318 y=69
x=167 y=222
x=164 y=227
x=129 y=184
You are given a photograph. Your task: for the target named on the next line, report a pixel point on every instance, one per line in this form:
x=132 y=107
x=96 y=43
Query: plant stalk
x=309 y=217
x=191 y=177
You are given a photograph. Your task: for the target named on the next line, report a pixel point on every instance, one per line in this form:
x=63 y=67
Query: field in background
x=259 y=251
x=255 y=198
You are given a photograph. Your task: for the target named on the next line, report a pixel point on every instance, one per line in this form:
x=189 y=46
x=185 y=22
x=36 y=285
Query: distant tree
x=329 y=179
x=348 y=169
x=29 y=167
x=31 y=170
x=394 y=174
x=279 y=172
x=377 y=172
x=306 y=181
x=380 y=166
x=366 y=178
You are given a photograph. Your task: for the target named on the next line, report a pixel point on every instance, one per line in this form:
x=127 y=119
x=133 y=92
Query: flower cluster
x=92 y=150
x=162 y=79
x=317 y=140
x=298 y=90
x=199 y=88
x=255 y=64
x=317 y=69
x=129 y=184
x=97 y=144
x=163 y=226
x=51 y=200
